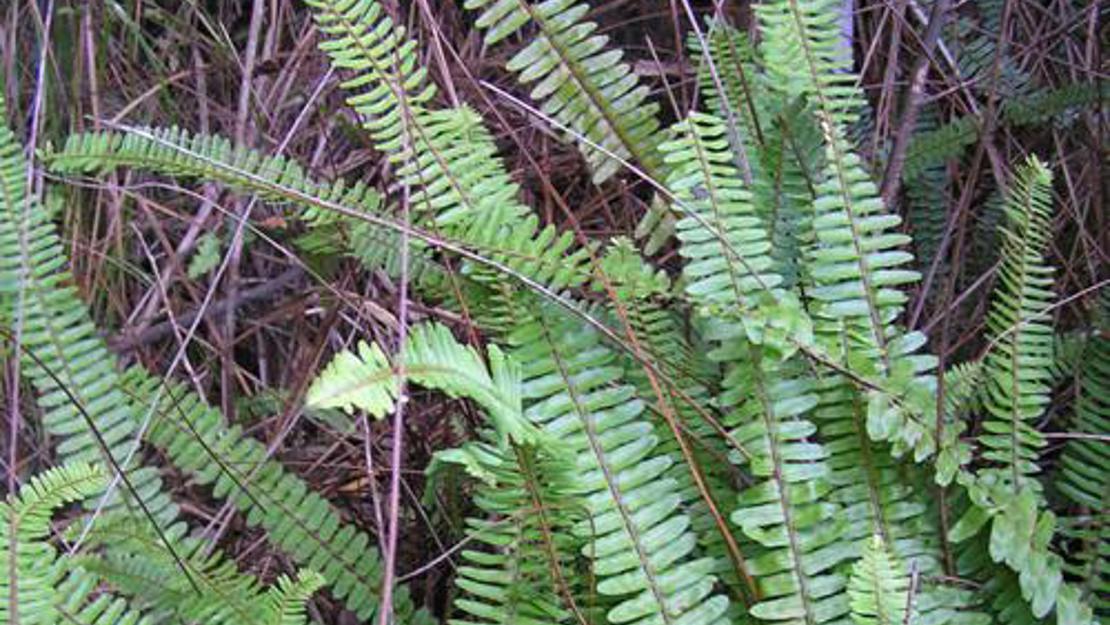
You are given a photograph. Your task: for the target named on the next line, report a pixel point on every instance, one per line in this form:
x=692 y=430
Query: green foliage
x=295 y=517
x=431 y=357
x=582 y=84
x=1083 y=476
x=1017 y=364
x=212 y=590
x=879 y=588
x=756 y=440
x=32 y=571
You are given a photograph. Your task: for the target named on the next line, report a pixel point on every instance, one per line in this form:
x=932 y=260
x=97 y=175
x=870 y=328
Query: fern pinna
x=752 y=438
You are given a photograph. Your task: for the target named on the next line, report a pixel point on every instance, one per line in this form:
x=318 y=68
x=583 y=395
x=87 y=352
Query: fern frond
x=287 y=598
x=1019 y=325
x=31 y=569
x=73 y=372
x=84 y=605
x=856 y=268
x=524 y=573
x=639 y=541
x=782 y=185
x=390 y=84
x=432 y=358
x=137 y=564
x=447 y=159
x=725 y=242
x=735 y=92
x=808 y=57
x=879 y=587
x=1084 y=477
x=789 y=512
x=296 y=518
x=580 y=81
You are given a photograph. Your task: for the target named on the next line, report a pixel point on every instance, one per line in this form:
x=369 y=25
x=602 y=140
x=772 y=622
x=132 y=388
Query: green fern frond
x=73 y=371
x=83 y=604
x=296 y=518
x=432 y=358
x=287 y=599
x=1054 y=104
x=782 y=185
x=445 y=158
x=31 y=569
x=725 y=242
x=639 y=542
x=879 y=587
x=581 y=83
x=275 y=179
x=932 y=147
x=810 y=57
x=1084 y=477
x=1020 y=328
x=524 y=573
x=389 y=85
x=788 y=512
x=734 y=93
x=856 y=267
x=138 y=564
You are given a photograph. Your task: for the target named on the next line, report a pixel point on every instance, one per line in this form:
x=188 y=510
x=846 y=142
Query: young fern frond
x=581 y=83
x=879 y=587
x=432 y=357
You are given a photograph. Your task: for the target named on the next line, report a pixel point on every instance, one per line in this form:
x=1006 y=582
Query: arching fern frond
x=296 y=518
x=580 y=81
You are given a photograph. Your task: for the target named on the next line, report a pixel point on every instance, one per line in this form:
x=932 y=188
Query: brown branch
x=892 y=177
x=126 y=342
